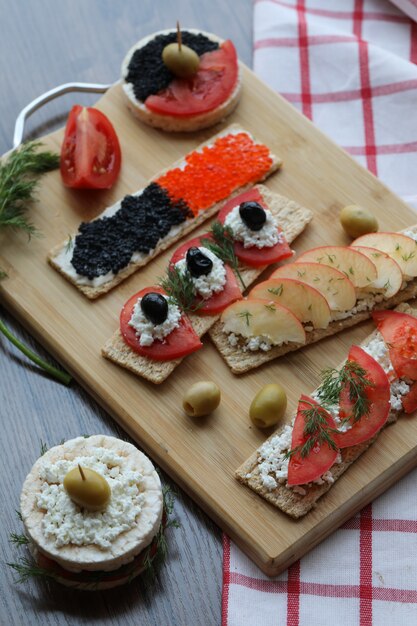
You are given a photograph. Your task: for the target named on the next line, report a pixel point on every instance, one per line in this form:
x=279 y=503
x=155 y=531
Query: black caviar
x=108 y=243
x=148 y=73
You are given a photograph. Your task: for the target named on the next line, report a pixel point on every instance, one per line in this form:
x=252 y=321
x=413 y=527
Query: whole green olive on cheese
x=357 y=221
x=268 y=406
x=87 y=488
x=183 y=62
x=201 y=398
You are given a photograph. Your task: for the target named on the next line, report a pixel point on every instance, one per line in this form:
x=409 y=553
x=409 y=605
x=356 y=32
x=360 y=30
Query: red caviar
x=214 y=173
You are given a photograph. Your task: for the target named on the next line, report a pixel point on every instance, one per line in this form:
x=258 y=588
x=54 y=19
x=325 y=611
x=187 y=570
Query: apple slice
x=254 y=318
x=332 y=284
x=357 y=267
x=401 y=248
x=307 y=303
x=390 y=277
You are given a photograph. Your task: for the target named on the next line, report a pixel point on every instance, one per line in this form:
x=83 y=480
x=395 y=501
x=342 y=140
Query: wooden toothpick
x=81 y=472
x=179 y=38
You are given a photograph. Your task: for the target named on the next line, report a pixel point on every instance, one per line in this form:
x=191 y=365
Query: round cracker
x=172 y=123
x=129 y=543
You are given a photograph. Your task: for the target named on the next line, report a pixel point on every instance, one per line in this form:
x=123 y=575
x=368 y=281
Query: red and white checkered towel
x=350 y=66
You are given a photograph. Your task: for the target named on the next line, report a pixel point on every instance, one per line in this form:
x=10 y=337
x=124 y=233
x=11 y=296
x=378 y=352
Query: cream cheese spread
x=64 y=522
x=266 y=237
x=147 y=331
x=212 y=283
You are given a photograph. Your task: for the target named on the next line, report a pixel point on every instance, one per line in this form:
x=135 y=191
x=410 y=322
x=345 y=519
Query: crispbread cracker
x=295 y=504
x=92 y=557
x=184 y=228
x=241 y=361
x=292 y=217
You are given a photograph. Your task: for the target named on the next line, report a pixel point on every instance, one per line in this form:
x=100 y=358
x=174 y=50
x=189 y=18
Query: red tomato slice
x=378 y=396
x=219 y=301
x=399 y=331
x=180 y=342
x=255 y=257
x=90 y=153
x=212 y=85
x=409 y=401
x=321 y=458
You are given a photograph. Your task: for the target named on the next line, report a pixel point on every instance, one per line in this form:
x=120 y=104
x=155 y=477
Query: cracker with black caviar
x=292 y=219
x=129 y=234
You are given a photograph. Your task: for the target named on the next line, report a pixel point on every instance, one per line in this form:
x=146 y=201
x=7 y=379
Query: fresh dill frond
x=181 y=290
x=316 y=430
x=18 y=540
x=26 y=568
x=44 y=447
x=223 y=247
x=351 y=376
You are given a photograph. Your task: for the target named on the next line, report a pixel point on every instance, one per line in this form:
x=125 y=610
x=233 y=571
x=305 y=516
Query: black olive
x=154 y=307
x=198 y=264
x=252 y=214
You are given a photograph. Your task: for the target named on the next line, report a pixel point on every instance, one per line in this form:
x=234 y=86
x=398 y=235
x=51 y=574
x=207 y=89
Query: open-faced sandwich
x=133 y=231
x=340 y=419
x=326 y=290
x=181 y=80
x=93 y=512
x=205 y=275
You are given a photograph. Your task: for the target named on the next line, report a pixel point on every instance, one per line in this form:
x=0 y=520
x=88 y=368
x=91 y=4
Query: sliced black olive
x=252 y=214
x=154 y=307
x=198 y=264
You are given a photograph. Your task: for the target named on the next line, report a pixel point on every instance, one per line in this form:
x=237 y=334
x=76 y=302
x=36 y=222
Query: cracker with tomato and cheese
x=290 y=218
x=99 y=548
x=325 y=291
x=296 y=487
x=130 y=233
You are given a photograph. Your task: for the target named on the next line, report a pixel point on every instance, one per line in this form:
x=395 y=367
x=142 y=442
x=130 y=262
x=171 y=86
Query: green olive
x=87 y=488
x=182 y=62
x=201 y=398
x=268 y=406
x=357 y=221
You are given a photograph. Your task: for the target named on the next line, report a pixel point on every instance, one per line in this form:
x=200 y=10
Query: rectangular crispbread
x=186 y=227
x=287 y=500
x=292 y=218
x=241 y=361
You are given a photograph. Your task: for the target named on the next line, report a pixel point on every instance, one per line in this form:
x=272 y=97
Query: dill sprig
x=181 y=290
x=26 y=569
x=19 y=178
x=223 y=247
x=316 y=430
x=351 y=376
x=18 y=540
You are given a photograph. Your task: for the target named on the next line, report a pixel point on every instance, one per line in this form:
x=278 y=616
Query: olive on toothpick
x=181 y=60
x=87 y=488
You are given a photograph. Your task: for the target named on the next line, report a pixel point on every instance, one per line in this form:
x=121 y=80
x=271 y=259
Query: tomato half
x=255 y=257
x=181 y=341
x=90 y=152
x=218 y=301
x=320 y=459
x=399 y=331
x=379 y=402
x=409 y=401
x=212 y=85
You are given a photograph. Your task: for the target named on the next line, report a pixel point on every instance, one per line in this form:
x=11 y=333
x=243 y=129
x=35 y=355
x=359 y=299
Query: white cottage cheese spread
x=266 y=237
x=147 y=331
x=208 y=285
x=66 y=523
x=365 y=302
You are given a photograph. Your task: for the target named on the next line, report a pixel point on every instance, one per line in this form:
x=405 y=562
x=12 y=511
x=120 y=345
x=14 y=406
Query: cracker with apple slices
x=240 y=360
x=292 y=219
x=295 y=504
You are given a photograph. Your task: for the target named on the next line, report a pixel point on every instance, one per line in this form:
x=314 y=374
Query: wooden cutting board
x=202 y=454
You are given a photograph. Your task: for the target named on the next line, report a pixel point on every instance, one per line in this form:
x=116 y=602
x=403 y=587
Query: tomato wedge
x=320 y=459
x=399 y=331
x=218 y=301
x=210 y=87
x=255 y=257
x=90 y=152
x=409 y=401
x=379 y=402
x=181 y=341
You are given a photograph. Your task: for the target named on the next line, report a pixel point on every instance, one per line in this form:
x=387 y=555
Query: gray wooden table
x=44 y=43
